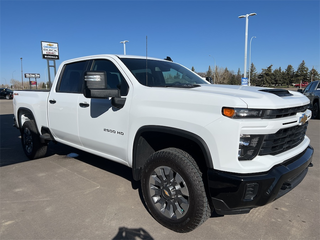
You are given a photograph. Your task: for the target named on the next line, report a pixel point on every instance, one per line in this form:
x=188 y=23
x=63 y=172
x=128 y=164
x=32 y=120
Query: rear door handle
x=84 y=105
x=52 y=101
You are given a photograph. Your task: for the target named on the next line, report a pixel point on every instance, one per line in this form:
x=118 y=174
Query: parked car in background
x=312 y=91
x=6 y=93
x=301 y=85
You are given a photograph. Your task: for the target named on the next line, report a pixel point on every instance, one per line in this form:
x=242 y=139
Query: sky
x=193 y=33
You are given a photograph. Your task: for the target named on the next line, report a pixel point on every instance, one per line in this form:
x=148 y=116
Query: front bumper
x=238 y=193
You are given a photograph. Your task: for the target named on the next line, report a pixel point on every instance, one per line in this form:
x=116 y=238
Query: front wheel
x=7 y=97
x=173 y=190
x=31 y=142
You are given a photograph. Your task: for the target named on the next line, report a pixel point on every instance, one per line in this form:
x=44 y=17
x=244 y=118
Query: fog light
x=251 y=191
x=249 y=146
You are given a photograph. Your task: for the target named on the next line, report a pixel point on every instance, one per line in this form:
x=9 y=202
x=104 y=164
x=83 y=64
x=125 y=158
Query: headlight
x=242 y=112
x=249 y=146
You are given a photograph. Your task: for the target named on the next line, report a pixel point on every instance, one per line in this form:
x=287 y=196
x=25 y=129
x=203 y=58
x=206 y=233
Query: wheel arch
x=28 y=115
x=150 y=139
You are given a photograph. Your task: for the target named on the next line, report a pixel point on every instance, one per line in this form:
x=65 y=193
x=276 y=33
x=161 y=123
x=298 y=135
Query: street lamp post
x=250 y=59
x=214 y=73
x=124 y=46
x=21 y=74
x=246 y=41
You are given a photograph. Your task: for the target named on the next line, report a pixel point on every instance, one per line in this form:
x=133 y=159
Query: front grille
x=284 y=112
x=283 y=140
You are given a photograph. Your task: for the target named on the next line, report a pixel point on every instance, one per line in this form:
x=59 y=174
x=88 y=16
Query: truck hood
x=257 y=97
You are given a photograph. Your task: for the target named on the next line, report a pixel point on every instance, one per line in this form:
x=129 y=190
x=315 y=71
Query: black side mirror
x=300 y=90
x=209 y=79
x=95 y=86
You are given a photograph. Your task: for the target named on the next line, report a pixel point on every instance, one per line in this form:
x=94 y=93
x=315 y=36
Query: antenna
x=146 y=60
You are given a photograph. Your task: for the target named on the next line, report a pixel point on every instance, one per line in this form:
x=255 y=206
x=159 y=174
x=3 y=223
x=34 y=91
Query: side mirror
x=209 y=79
x=300 y=90
x=95 y=86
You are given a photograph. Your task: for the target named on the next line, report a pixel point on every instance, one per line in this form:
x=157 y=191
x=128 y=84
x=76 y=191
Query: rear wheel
x=7 y=97
x=31 y=143
x=173 y=190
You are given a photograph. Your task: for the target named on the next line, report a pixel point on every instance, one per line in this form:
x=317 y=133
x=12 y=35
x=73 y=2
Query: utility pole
x=246 y=41
x=21 y=73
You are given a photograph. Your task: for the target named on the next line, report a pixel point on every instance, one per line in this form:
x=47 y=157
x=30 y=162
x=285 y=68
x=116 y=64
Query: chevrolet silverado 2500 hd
x=194 y=146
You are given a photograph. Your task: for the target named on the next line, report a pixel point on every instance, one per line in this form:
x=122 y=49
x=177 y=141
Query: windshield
x=154 y=73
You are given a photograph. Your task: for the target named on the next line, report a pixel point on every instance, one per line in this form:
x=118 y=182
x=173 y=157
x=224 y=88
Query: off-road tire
x=173 y=190
x=31 y=143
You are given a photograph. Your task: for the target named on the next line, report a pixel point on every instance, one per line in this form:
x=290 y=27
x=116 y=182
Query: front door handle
x=52 y=101
x=84 y=105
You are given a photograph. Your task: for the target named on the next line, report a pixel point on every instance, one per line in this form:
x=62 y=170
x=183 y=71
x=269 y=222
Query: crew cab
x=195 y=147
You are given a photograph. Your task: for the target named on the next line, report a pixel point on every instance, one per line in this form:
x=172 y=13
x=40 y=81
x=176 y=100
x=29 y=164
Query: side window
x=115 y=80
x=72 y=77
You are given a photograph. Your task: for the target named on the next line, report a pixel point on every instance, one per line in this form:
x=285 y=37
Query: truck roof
x=109 y=55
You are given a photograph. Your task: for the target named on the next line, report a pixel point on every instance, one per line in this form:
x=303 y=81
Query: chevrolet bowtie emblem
x=303 y=119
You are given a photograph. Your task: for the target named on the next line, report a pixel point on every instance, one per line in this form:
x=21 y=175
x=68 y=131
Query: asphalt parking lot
x=82 y=196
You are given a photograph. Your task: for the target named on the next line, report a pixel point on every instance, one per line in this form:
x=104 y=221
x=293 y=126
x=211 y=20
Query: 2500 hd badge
x=113 y=131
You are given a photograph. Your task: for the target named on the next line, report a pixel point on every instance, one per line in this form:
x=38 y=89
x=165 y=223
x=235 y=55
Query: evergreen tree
x=192 y=69
x=209 y=72
x=277 y=77
x=238 y=77
x=288 y=76
x=302 y=73
x=253 y=75
x=314 y=75
x=267 y=76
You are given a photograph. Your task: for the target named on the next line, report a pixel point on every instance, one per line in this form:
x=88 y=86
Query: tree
x=288 y=76
x=16 y=84
x=267 y=76
x=253 y=75
x=313 y=75
x=301 y=74
x=209 y=72
x=192 y=69
x=238 y=77
x=277 y=77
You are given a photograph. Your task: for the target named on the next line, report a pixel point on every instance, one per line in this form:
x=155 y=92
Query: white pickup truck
x=195 y=147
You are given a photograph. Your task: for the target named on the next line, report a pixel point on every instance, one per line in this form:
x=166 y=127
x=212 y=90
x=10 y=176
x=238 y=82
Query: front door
x=102 y=127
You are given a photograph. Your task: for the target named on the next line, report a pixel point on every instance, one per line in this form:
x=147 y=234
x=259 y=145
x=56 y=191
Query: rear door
x=63 y=103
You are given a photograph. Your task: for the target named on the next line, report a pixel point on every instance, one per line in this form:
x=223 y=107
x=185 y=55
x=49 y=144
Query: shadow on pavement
x=10 y=144
x=132 y=234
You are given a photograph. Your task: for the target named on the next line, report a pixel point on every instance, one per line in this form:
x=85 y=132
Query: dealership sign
x=244 y=81
x=50 y=50
x=32 y=75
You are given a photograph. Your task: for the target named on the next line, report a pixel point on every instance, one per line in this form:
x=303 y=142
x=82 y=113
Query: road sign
x=244 y=81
